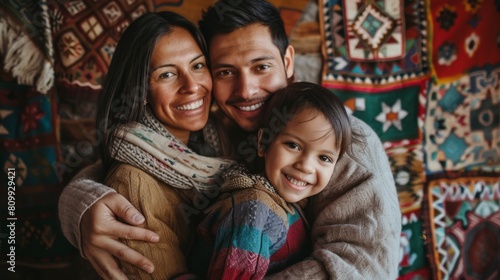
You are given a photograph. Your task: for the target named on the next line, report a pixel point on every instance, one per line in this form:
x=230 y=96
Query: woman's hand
x=100 y=231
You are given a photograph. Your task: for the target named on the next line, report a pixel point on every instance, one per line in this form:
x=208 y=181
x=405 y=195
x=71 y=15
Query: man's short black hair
x=226 y=16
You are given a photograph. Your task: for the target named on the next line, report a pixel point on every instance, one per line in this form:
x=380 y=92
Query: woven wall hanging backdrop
x=425 y=76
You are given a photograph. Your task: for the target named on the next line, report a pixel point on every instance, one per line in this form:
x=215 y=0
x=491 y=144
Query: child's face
x=300 y=161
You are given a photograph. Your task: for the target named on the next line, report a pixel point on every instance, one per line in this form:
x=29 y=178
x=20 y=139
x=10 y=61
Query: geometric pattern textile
x=85 y=35
x=395 y=113
x=375 y=61
x=462 y=123
x=407 y=167
x=373 y=42
x=464 y=36
x=29 y=148
x=413 y=257
x=464 y=227
x=425 y=76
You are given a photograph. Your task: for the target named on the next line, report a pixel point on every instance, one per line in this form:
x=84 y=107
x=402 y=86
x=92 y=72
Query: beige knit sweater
x=161 y=206
x=357 y=220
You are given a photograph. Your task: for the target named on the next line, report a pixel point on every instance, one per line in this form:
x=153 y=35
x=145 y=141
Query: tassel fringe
x=22 y=58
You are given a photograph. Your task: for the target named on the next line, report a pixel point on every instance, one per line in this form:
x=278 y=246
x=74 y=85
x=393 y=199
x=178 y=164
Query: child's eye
x=292 y=145
x=326 y=159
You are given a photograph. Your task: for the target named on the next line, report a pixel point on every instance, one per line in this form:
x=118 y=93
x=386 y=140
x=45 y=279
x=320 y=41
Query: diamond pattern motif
x=373 y=27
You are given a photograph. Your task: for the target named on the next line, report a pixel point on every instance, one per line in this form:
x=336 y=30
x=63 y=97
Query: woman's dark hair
x=225 y=16
x=126 y=84
x=289 y=101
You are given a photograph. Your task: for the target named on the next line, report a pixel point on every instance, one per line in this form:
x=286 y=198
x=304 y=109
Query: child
x=255 y=228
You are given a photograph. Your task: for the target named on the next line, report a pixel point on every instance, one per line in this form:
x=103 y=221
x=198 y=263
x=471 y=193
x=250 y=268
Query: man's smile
x=250 y=108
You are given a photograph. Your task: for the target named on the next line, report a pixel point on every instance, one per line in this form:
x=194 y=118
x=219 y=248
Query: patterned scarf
x=152 y=148
x=238 y=177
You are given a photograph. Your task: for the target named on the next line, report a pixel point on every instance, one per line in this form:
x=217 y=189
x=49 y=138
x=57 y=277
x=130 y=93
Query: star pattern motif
x=392 y=116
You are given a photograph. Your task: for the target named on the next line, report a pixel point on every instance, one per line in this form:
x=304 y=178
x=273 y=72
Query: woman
x=156 y=99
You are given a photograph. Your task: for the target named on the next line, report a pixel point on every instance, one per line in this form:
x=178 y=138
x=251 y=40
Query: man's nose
x=248 y=87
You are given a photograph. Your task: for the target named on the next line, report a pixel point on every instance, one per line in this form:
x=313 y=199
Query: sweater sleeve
x=160 y=205
x=78 y=196
x=247 y=232
x=357 y=220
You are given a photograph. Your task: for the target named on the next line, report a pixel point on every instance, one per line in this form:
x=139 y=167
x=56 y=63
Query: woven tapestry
x=407 y=167
x=378 y=56
x=29 y=148
x=413 y=257
x=373 y=42
x=394 y=113
x=85 y=35
x=462 y=123
x=464 y=227
x=375 y=62
x=465 y=35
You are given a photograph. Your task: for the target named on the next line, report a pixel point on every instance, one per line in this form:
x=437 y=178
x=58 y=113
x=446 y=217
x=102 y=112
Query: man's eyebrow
x=173 y=65
x=257 y=59
x=262 y=58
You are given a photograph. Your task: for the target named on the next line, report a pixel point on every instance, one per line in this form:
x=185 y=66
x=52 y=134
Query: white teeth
x=251 y=107
x=191 y=106
x=296 y=182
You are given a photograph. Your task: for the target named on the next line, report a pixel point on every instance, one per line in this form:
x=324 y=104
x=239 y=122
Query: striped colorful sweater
x=248 y=233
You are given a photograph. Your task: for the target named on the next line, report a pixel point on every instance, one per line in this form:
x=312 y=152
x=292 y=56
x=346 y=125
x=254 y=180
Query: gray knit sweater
x=357 y=219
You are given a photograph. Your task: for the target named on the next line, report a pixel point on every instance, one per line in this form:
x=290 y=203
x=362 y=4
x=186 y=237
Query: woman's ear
x=260 y=148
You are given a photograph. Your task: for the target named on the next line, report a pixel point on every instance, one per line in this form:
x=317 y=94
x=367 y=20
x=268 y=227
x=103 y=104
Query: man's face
x=246 y=69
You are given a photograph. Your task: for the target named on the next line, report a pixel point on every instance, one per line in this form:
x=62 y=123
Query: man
x=356 y=220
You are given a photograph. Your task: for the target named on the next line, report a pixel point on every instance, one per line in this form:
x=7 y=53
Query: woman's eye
x=199 y=66
x=326 y=159
x=166 y=75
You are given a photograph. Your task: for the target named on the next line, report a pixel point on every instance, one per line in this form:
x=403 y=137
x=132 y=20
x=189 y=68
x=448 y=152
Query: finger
x=105 y=265
x=117 y=229
x=124 y=209
x=100 y=221
x=125 y=253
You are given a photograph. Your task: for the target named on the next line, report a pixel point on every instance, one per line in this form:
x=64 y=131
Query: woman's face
x=180 y=84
